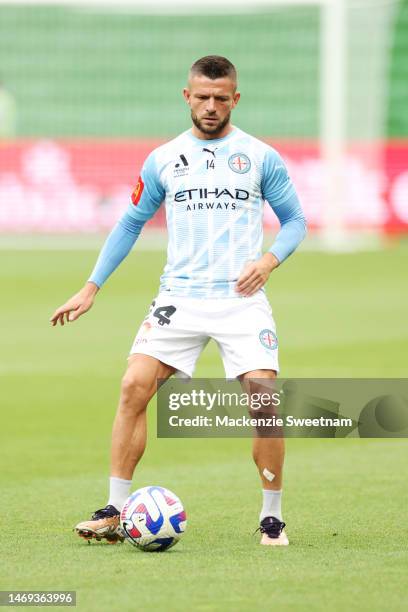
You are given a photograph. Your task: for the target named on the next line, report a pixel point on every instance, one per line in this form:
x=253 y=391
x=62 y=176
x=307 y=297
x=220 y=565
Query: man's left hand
x=255 y=274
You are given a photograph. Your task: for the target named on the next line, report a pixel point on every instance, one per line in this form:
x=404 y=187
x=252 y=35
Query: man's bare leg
x=268 y=454
x=139 y=384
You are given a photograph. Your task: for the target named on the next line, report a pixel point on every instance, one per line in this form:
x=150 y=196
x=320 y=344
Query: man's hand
x=255 y=274
x=80 y=303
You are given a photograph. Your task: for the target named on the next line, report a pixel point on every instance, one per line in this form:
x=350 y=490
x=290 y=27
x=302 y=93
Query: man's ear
x=186 y=95
x=237 y=96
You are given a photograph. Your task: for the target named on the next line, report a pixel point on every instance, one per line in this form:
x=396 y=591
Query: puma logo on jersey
x=209 y=151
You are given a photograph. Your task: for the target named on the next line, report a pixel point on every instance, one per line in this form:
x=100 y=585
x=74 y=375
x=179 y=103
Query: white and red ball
x=153 y=519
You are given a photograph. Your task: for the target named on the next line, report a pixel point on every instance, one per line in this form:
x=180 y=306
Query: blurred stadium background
x=89 y=88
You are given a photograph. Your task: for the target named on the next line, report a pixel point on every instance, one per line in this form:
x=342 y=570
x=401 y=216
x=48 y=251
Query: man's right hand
x=76 y=306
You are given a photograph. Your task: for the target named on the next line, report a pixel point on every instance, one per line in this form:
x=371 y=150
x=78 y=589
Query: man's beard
x=212 y=130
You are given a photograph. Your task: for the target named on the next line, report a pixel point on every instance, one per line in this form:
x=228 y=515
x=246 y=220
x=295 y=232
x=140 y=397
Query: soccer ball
x=153 y=519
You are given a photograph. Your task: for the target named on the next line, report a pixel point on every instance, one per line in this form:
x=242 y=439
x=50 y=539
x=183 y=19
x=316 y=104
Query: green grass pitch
x=345 y=500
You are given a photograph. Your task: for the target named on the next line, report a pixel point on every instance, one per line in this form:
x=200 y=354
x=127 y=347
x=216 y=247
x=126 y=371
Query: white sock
x=272 y=504
x=119 y=491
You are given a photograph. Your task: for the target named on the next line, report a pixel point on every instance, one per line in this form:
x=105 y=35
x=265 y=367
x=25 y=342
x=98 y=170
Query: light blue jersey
x=214 y=192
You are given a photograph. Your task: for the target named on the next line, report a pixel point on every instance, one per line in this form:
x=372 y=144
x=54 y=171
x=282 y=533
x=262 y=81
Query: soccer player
x=213 y=179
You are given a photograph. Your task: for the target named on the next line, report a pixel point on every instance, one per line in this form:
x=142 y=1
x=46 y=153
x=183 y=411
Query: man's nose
x=210 y=105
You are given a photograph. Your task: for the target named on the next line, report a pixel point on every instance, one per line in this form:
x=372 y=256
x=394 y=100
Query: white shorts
x=177 y=329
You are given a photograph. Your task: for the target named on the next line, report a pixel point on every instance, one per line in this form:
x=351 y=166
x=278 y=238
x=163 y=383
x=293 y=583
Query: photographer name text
x=244 y=421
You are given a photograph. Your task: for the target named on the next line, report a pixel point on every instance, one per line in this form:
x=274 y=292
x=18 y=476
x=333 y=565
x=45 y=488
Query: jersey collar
x=213 y=140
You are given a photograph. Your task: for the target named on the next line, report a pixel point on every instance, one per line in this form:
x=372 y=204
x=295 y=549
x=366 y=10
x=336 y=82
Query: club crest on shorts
x=239 y=162
x=268 y=339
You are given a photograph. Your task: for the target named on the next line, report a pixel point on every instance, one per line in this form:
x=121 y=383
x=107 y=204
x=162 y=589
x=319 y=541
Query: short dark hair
x=214 y=67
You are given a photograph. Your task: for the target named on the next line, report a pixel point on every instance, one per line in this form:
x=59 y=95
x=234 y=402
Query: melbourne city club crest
x=268 y=339
x=239 y=162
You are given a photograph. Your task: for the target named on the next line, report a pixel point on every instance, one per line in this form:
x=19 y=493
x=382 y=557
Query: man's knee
x=136 y=388
x=256 y=375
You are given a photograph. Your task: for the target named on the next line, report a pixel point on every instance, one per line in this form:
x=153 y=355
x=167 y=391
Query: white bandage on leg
x=268 y=475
